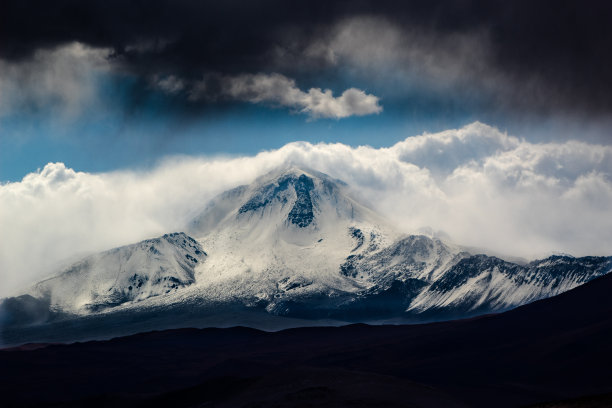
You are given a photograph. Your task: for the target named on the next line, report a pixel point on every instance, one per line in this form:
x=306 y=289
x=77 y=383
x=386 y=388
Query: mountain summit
x=302 y=199
x=295 y=243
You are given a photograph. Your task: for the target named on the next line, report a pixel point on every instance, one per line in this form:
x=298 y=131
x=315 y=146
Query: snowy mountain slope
x=123 y=275
x=298 y=243
x=287 y=233
x=482 y=284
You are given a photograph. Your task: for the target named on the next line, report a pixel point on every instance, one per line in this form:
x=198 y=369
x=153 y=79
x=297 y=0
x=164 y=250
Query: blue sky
x=109 y=132
x=108 y=91
x=104 y=137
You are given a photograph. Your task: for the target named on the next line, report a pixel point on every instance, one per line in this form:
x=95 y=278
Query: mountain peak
x=301 y=213
x=294 y=170
x=290 y=197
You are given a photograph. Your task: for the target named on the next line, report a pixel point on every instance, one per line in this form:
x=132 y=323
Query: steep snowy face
x=291 y=199
x=287 y=233
x=123 y=275
x=481 y=284
x=411 y=257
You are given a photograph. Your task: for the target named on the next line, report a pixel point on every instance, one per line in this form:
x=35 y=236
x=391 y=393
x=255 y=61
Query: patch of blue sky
x=130 y=129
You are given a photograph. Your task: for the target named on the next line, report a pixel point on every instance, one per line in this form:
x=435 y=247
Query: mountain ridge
x=298 y=244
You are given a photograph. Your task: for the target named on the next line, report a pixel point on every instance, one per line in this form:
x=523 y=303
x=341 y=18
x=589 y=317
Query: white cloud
x=279 y=90
x=276 y=90
x=445 y=151
x=481 y=186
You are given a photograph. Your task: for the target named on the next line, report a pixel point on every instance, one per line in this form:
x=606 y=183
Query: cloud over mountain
x=481 y=186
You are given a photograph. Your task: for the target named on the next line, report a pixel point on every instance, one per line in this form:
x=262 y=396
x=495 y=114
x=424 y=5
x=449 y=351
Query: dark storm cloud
x=187 y=36
x=537 y=54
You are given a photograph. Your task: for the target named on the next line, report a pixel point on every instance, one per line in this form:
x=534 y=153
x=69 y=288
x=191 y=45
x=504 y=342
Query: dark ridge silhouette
x=551 y=350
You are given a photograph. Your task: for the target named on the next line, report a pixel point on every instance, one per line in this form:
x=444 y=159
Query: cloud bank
x=481 y=186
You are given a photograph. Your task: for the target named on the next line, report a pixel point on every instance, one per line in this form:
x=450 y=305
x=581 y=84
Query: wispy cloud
x=382 y=47
x=169 y=84
x=274 y=90
x=279 y=90
x=481 y=186
x=63 y=81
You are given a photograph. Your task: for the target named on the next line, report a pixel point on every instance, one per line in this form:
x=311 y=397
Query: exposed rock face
x=301 y=213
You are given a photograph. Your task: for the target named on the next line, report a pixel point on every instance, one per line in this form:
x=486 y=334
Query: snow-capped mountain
x=128 y=274
x=286 y=236
x=299 y=243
